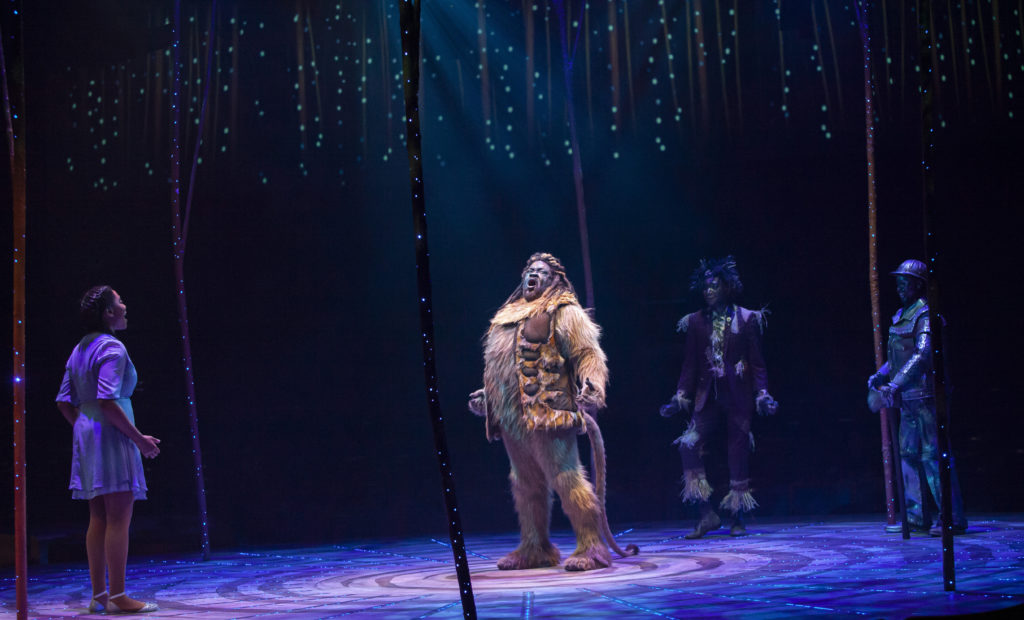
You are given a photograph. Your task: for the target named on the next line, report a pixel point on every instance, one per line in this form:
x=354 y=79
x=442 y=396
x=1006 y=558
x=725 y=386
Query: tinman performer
x=905 y=380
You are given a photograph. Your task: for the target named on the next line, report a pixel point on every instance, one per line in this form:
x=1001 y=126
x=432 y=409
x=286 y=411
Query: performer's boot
x=709 y=520
x=738 y=527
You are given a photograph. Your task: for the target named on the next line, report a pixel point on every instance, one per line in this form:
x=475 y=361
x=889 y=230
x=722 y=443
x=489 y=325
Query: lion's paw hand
x=477 y=403
x=590 y=399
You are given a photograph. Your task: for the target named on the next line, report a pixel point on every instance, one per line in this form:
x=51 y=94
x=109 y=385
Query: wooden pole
x=14 y=112
x=888 y=454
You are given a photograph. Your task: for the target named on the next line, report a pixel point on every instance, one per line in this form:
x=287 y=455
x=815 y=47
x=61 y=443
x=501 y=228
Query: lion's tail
x=599 y=465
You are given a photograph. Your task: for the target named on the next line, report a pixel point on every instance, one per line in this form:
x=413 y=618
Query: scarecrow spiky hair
x=722 y=268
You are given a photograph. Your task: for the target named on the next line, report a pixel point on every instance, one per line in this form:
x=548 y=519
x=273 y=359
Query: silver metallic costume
x=906 y=379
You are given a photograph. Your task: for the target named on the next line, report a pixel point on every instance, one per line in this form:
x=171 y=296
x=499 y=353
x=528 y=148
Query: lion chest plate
x=544 y=389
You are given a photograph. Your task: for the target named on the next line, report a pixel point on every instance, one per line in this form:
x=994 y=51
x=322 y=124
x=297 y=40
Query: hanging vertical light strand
x=782 y=61
x=409 y=18
x=736 y=62
x=927 y=84
x=819 y=56
x=613 y=65
x=835 y=57
x=702 y=62
x=629 y=65
x=952 y=49
x=721 y=68
x=528 y=27
x=14 y=115
x=179 y=231
x=669 y=56
x=692 y=111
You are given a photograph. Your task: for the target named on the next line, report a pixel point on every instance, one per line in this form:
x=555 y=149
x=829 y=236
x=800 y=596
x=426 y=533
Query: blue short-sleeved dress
x=104 y=460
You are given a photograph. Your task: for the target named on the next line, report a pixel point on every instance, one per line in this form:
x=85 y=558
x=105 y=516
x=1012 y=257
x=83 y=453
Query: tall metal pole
x=409 y=17
x=888 y=455
x=14 y=112
x=928 y=84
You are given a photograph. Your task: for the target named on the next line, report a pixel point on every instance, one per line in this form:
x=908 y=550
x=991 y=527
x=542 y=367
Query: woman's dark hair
x=94 y=304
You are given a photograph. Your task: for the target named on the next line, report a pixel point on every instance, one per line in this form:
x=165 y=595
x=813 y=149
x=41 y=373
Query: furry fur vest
x=536 y=353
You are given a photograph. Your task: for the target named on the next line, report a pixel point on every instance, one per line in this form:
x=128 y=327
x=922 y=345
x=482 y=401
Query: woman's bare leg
x=95 y=538
x=119 y=518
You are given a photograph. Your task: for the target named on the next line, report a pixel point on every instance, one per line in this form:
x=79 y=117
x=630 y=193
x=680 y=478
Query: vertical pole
x=178 y=238
x=888 y=454
x=14 y=112
x=928 y=82
x=409 y=16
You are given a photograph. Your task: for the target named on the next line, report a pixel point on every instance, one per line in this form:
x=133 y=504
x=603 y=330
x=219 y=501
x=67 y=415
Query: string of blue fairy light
x=409 y=13
x=928 y=82
x=179 y=230
x=348 y=60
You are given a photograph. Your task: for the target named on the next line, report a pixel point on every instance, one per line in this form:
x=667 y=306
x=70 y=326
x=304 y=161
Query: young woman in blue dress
x=106 y=465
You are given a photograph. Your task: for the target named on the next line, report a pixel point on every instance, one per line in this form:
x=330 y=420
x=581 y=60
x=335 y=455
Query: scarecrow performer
x=723 y=381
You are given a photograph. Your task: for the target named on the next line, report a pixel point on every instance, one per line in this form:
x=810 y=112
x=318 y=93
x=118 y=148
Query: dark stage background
x=704 y=129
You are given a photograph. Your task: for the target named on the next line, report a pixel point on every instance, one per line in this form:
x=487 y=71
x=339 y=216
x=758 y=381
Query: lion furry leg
x=533 y=506
x=580 y=504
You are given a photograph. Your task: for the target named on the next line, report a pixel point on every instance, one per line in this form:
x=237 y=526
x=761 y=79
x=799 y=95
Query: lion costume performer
x=544 y=377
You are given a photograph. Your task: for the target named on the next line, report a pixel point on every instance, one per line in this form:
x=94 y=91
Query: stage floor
x=782 y=570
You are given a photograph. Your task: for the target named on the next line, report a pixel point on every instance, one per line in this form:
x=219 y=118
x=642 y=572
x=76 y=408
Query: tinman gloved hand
x=766 y=405
x=877 y=380
x=889 y=393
